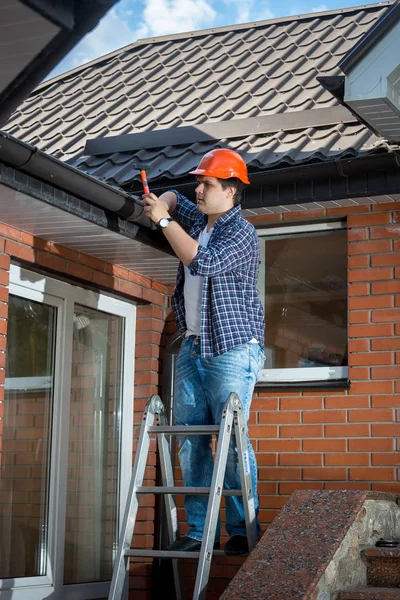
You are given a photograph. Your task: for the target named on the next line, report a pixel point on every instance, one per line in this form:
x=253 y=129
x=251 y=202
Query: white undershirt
x=192 y=291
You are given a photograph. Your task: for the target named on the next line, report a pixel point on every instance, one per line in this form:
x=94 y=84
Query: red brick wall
x=339 y=439
x=149 y=328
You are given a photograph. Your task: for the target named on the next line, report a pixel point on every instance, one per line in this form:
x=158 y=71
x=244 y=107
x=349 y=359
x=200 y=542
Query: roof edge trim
x=203 y=132
x=371 y=38
x=200 y=32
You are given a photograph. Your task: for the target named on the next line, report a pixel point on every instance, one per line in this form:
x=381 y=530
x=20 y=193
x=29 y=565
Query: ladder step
x=184 y=429
x=201 y=491
x=169 y=554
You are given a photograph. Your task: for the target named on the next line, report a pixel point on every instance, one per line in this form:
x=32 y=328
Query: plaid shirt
x=231 y=310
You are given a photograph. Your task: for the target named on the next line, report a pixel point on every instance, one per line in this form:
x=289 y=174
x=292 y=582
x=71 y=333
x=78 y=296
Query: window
x=66 y=443
x=303 y=286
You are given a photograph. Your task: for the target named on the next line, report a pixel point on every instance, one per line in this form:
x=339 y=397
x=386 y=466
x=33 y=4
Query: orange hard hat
x=224 y=164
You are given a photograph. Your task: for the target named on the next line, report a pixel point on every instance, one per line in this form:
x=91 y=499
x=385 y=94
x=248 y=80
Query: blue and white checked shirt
x=231 y=310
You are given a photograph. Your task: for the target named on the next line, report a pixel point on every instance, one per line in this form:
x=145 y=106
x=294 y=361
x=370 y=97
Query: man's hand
x=155 y=208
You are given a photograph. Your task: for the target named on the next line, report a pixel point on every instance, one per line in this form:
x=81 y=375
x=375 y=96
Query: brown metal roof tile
x=236 y=72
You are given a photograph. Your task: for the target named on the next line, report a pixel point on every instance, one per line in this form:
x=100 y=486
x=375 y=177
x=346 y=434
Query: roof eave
x=84 y=16
x=371 y=38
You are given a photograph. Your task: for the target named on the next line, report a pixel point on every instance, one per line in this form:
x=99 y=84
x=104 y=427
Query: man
x=218 y=310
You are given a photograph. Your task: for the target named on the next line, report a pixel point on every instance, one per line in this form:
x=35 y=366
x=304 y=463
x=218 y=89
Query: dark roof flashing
x=371 y=38
x=288 y=121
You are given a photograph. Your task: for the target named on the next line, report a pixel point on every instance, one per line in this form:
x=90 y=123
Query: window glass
x=303 y=285
x=25 y=439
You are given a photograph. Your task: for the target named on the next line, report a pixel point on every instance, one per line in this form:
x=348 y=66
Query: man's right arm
x=170 y=200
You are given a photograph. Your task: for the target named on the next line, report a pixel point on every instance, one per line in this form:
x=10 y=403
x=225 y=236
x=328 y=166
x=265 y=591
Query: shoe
x=236 y=545
x=188 y=544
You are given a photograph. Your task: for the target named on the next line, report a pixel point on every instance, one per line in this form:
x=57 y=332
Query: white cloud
x=162 y=17
x=243 y=11
x=111 y=33
x=319 y=8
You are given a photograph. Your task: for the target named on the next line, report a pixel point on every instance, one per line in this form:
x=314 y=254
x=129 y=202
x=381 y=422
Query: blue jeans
x=202 y=386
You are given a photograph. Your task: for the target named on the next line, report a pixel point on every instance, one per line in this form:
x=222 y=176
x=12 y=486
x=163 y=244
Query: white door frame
x=64 y=296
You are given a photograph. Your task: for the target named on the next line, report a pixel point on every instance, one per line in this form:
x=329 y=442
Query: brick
x=266 y=487
x=366 y=331
x=386 y=430
x=355 y=235
x=378 y=274
x=130 y=289
x=305 y=214
x=300 y=459
x=385 y=372
x=4 y=262
x=263 y=431
x=345 y=460
x=359 y=262
x=348 y=402
x=301 y=431
x=392 y=488
x=279 y=474
x=386 y=316
x=104 y=280
x=350 y=430
x=391 y=206
x=386 y=260
x=380 y=401
x=325 y=416
x=371 y=445
x=359 y=316
x=347 y=485
x=371 y=302
x=371 y=474
x=372 y=387
x=386 y=459
x=356 y=373
x=358 y=289
x=267 y=459
x=9 y=232
x=287 y=488
x=264 y=403
x=79 y=271
x=301 y=403
x=378 y=233
x=154 y=297
x=50 y=261
x=385 y=287
x=260 y=219
x=358 y=345
x=386 y=344
x=324 y=445
x=371 y=358
x=279 y=445
x=370 y=415
x=370 y=247
x=369 y=220
x=324 y=474
x=278 y=417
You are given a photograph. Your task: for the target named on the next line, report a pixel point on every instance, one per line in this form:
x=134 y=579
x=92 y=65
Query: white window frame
x=64 y=296
x=302 y=374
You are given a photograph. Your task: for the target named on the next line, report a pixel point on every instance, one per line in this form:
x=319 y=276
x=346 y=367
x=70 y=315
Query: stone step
x=372 y=593
x=383 y=566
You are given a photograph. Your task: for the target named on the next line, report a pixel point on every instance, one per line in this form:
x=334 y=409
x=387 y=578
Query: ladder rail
x=167 y=477
x=245 y=474
x=129 y=519
x=214 y=502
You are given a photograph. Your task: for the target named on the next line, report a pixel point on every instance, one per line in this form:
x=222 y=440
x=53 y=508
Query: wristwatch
x=164 y=222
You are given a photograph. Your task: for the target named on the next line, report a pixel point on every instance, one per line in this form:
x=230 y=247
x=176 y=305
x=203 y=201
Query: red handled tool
x=144 y=181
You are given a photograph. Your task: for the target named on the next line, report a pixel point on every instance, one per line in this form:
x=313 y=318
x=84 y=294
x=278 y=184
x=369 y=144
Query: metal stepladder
x=232 y=421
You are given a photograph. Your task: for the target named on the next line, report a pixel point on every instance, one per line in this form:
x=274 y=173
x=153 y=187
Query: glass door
x=66 y=443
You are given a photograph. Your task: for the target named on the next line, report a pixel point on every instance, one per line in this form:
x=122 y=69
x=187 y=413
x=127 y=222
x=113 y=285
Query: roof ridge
x=201 y=32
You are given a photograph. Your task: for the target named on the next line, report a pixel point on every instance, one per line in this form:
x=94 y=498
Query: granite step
x=383 y=566
x=372 y=593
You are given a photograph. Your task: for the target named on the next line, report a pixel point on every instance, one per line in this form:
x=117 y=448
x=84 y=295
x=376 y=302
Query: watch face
x=164 y=223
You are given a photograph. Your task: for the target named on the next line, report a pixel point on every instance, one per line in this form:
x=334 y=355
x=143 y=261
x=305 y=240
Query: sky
x=131 y=20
